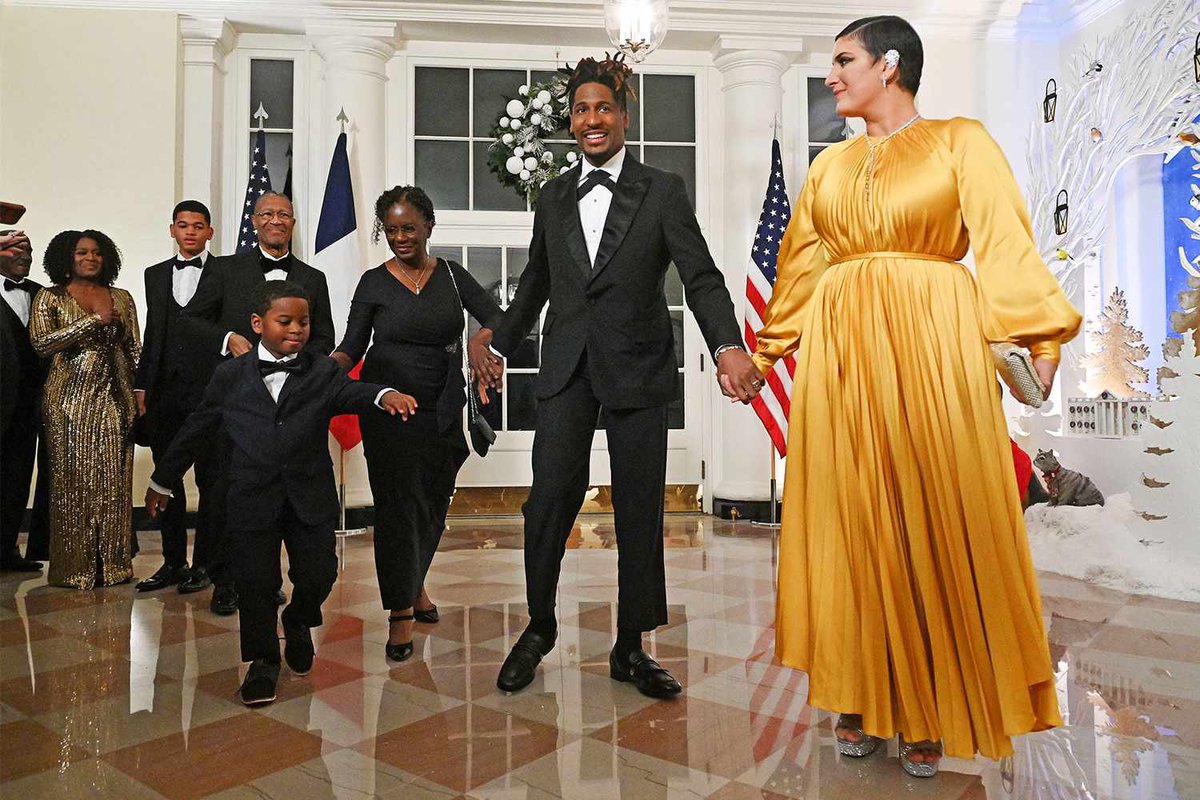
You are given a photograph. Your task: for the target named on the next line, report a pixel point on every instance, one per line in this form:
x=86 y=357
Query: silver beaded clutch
x=1015 y=367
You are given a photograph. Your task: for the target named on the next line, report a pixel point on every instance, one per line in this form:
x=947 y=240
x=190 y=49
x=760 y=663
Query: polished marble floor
x=112 y=694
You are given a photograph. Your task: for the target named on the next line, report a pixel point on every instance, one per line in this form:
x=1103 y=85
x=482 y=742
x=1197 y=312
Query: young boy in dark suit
x=275 y=403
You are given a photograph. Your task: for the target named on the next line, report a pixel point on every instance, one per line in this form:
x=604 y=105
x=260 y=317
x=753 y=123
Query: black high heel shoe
x=429 y=616
x=404 y=650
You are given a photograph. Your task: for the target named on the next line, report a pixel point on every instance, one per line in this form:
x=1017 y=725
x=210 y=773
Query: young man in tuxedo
x=604 y=234
x=218 y=318
x=171 y=376
x=20 y=419
x=275 y=403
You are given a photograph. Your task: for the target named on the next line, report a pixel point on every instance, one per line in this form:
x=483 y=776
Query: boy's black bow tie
x=191 y=262
x=268 y=367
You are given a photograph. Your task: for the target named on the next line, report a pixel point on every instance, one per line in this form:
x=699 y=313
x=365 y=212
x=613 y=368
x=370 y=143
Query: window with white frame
x=455 y=110
x=825 y=127
x=272 y=84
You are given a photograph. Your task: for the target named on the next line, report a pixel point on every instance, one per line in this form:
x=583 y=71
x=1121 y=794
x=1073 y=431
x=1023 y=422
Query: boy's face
x=284 y=328
x=191 y=233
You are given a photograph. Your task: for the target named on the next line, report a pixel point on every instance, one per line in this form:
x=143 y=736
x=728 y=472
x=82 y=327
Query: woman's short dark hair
x=413 y=195
x=59 y=261
x=877 y=35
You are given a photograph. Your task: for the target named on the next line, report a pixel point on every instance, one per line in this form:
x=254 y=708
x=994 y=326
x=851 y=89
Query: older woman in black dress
x=413 y=305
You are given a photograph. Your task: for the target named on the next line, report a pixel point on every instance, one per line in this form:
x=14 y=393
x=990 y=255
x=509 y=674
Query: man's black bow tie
x=268 y=265
x=596 y=177
x=191 y=262
x=268 y=367
x=10 y=284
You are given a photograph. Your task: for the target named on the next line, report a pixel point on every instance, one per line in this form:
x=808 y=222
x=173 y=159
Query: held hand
x=239 y=345
x=155 y=502
x=486 y=367
x=341 y=358
x=141 y=402
x=484 y=399
x=738 y=377
x=1045 y=368
x=110 y=315
x=398 y=403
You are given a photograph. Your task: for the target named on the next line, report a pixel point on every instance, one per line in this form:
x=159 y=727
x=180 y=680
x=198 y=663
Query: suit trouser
x=312 y=569
x=168 y=418
x=19 y=451
x=637 y=448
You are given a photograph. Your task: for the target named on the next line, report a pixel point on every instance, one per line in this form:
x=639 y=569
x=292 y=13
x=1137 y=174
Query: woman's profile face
x=855 y=78
x=88 y=262
x=407 y=231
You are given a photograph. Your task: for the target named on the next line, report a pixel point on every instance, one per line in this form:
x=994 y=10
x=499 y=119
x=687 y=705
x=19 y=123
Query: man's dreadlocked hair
x=612 y=72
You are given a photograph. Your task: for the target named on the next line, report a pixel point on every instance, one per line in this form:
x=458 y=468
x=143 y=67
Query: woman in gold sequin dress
x=89 y=332
x=906 y=588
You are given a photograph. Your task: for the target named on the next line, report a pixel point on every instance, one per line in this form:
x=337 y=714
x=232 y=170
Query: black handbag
x=482 y=435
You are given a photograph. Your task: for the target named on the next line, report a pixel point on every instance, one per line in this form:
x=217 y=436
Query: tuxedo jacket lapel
x=568 y=211
x=258 y=387
x=294 y=379
x=627 y=199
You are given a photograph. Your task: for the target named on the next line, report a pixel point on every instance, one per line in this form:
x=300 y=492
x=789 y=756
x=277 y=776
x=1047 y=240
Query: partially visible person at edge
x=88 y=330
x=409 y=310
x=907 y=592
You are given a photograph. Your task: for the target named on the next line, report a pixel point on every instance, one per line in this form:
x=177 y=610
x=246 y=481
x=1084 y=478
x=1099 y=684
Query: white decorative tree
x=1113 y=364
x=1187 y=319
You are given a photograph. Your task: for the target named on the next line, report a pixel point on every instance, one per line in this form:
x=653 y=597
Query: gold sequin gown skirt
x=88 y=407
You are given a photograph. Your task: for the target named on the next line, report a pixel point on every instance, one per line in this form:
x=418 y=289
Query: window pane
x=675 y=409
x=522 y=401
x=493 y=88
x=824 y=124
x=441 y=170
x=677 y=331
x=271 y=85
x=634 y=132
x=279 y=158
x=448 y=253
x=518 y=259
x=484 y=265
x=681 y=160
x=440 y=104
x=490 y=193
x=673 y=287
x=670 y=108
x=812 y=153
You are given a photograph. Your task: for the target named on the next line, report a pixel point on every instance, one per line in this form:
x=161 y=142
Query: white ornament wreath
x=517 y=156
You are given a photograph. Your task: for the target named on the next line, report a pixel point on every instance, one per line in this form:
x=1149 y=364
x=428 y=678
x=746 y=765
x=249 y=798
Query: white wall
x=89 y=136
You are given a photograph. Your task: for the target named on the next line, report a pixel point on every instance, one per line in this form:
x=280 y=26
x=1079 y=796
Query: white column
x=206 y=42
x=751 y=89
x=355 y=79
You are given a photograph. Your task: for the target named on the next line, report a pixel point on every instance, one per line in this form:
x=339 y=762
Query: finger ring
x=756 y=384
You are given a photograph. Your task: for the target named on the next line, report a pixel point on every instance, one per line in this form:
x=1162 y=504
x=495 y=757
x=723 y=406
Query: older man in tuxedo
x=20 y=410
x=604 y=234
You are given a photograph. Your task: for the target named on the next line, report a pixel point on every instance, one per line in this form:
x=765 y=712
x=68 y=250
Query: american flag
x=772 y=405
x=259 y=184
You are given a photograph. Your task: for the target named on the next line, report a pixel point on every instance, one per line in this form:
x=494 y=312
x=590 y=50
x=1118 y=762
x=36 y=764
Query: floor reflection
x=112 y=694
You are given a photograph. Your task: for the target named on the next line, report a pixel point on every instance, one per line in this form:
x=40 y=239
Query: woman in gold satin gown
x=88 y=330
x=906 y=588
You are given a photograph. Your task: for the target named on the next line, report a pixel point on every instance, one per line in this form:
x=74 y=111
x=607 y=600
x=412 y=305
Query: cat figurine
x=1067 y=487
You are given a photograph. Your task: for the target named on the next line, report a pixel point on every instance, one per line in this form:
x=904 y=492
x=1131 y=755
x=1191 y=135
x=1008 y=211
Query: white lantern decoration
x=530 y=163
x=636 y=27
x=513 y=165
x=518 y=151
x=515 y=108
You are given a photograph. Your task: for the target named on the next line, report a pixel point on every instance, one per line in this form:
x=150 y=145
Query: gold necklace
x=416 y=284
x=872 y=149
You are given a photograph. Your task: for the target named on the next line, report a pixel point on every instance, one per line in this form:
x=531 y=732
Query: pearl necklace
x=873 y=149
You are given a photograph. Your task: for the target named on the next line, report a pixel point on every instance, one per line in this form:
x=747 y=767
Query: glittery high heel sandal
x=919 y=769
x=855 y=749
x=404 y=650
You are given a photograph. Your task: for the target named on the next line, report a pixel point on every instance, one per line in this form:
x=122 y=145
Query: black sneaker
x=298 y=651
x=258 y=688
x=224 y=601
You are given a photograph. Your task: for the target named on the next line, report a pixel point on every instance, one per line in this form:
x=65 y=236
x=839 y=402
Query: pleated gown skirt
x=907 y=591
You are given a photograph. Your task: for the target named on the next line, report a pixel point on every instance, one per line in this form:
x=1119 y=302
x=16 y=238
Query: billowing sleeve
x=1021 y=301
x=801 y=263
x=48 y=335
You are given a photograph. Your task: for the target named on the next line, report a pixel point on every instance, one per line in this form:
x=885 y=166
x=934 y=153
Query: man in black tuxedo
x=604 y=234
x=172 y=374
x=21 y=391
x=218 y=318
x=275 y=403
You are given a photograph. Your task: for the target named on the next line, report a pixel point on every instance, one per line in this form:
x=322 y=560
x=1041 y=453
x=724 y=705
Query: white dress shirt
x=184 y=281
x=593 y=207
x=275 y=274
x=18 y=300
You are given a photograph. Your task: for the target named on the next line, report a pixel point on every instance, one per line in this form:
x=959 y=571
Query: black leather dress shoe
x=15 y=562
x=197 y=581
x=518 y=669
x=298 y=651
x=224 y=601
x=258 y=688
x=167 y=575
x=643 y=672
x=280 y=597
x=427 y=615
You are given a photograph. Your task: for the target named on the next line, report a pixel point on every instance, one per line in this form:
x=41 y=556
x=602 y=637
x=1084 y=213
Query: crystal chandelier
x=636 y=27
